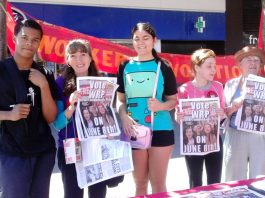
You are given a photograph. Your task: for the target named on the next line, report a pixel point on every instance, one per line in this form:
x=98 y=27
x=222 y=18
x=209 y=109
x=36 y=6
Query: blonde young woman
x=203 y=65
x=134 y=102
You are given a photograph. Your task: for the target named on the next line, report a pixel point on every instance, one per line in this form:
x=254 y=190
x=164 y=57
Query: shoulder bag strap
x=154 y=92
x=17 y=80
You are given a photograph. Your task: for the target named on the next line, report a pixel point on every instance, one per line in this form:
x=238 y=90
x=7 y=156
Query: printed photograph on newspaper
x=199 y=129
x=234 y=192
x=251 y=116
x=95 y=116
x=98 y=150
x=95 y=173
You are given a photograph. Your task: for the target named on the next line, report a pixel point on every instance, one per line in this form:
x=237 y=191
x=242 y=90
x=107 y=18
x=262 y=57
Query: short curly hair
x=30 y=23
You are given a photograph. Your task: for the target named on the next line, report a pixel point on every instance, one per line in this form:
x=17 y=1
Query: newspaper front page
x=251 y=116
x=199 y=130
x=100 y=150
x=96 y=115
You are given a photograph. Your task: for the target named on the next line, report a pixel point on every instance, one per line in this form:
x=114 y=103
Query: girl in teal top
x=136 y=80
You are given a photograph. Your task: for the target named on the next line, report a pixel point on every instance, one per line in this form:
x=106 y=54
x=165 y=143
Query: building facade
x=182 y=26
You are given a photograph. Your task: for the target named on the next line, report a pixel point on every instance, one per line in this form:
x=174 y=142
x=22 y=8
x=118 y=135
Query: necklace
x=204 y=91
x=199 y=91
x=204 y=87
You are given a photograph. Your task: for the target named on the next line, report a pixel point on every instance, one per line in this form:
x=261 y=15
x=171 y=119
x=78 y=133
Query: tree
x=3 y=48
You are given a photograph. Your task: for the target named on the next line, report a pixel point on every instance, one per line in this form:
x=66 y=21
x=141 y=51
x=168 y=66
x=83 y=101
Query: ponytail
x=154 y=53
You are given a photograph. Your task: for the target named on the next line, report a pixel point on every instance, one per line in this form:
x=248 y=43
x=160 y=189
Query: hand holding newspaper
x=251 y=116
x=199 y=129
x=95 y=118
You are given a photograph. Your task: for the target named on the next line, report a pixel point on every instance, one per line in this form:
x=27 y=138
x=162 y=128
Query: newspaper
x=99 y=150
x=199 y=130
x=251 y=116
x=95 y=117
x=95 y=173
x=258 y=186
x=234 y=192
x=102 y=158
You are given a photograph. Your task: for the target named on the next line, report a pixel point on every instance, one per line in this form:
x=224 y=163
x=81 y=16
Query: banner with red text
x=109 y=55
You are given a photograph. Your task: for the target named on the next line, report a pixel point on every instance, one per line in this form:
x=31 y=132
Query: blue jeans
x=27 y=177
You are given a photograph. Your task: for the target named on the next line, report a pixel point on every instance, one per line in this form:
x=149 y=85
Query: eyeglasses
x=250 y=60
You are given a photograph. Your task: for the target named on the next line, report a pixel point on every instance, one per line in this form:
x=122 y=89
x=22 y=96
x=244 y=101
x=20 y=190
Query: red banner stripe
x=108 y=55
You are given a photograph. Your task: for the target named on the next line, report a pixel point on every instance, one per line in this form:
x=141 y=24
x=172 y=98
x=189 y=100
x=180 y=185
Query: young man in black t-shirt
x=27 y=106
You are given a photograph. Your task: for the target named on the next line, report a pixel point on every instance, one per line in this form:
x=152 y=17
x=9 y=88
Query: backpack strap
x=17 y=80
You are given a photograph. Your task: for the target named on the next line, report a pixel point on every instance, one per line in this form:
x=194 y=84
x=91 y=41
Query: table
x=217 y=186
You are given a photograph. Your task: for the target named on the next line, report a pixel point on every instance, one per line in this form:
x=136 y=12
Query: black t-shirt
x=170 y=87
x=30 y=136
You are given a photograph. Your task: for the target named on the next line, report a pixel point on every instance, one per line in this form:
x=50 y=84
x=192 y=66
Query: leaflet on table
x=92 y=174
x=239 y=191
x=251 y=116
x=199 y=130
x=258 y=186
x=98 y=150
x=95 y=116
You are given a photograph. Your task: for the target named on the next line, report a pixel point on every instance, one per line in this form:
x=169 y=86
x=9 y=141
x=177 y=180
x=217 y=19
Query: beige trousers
x=244 y=155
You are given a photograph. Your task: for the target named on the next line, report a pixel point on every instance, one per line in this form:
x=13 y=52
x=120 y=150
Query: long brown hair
x=147 y=27
x=69 y=74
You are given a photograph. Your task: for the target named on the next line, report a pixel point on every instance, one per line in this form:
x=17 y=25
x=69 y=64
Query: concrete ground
x=177 y=177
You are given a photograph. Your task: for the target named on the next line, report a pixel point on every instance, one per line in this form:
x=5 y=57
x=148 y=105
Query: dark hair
x=244 y=116
x=30 y=23
x=147 y=27
x=69 y=74
x=185 y=138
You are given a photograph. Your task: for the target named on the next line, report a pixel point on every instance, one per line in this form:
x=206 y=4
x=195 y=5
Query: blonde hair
x=199 y=56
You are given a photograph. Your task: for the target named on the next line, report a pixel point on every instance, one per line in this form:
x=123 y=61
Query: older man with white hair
x=243 y=151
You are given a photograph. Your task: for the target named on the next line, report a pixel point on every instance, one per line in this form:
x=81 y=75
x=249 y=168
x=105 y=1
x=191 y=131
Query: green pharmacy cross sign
x=200 y=24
